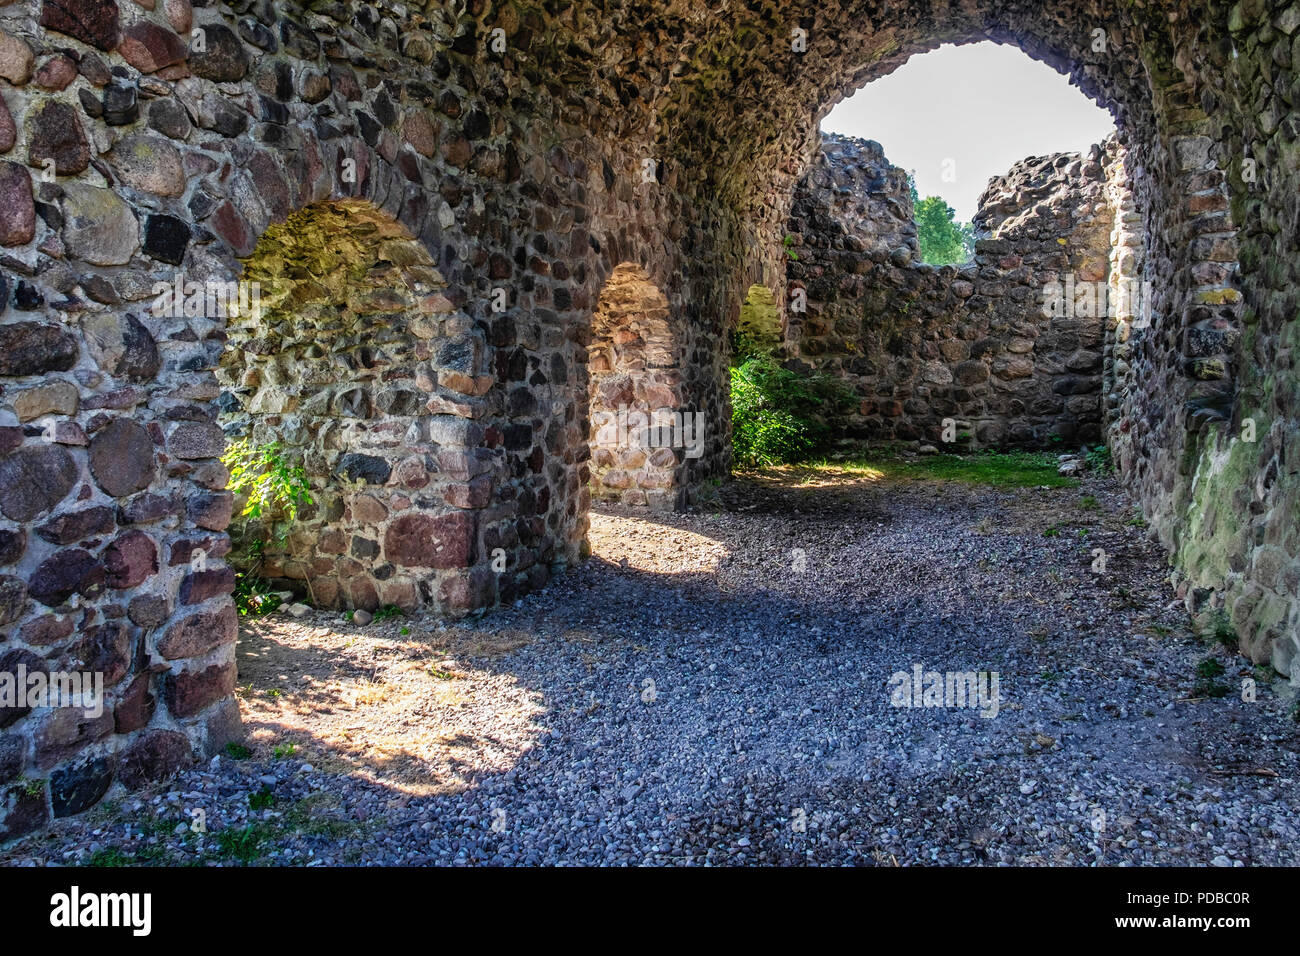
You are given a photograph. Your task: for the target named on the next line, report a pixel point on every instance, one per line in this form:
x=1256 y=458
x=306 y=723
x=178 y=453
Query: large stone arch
x=668 y=136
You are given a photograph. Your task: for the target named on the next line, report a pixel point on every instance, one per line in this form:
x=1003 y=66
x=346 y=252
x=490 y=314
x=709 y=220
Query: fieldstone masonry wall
x=666 y=137
x=976 y=344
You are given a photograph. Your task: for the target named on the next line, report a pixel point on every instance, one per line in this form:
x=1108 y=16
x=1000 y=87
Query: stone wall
x=978 y=345
x=531 y=151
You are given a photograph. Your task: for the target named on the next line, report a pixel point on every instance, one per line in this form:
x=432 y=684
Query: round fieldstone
x=154 y=756
x=98 y=227
x=168 y=116
x=122 y=457
x=148 y=47
x=54 y=132
x=91 y=21
x=130 y=559
x=13 y=598
x=150 y=164
x=31 y=348
x=65 y=573
x=17 y=210
x=34 y=479
x=77 y=788
x=222 y=57
x=16 y=59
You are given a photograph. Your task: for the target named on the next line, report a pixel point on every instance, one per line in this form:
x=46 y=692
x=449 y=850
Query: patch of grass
x=1053 y=532
x=388 y=611
x=284 y=750
x=1210 y=667
x=1207 y=670
x=244 y=844
x=108 y=856
x=1012 y=469
x=1222 y=631
x=263 y=799
x=1050 y=676
x=1099 y=460
x=1137 y=521
x=1089 y=503
x=237 y=751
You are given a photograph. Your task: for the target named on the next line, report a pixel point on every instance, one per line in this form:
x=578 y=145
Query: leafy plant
x=242 y=844
x=787 y=244
x=263 y=799
x=1099 y=459
x=276 y=488
x=285 y=750
x=388 y=611
x=238 y=751
x=273 y=485
x=775 y=412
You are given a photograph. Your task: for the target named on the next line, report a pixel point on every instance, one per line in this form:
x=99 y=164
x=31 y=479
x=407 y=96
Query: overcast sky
x=983 y=106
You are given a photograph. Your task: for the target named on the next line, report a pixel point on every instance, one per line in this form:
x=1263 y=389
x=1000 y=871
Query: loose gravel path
x=715 y=689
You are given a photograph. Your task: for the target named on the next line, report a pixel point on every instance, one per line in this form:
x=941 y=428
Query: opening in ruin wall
x=1005 y=350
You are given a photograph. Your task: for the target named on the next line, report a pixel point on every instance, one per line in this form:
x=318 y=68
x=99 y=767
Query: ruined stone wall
x=920 y=344
x=529 y=164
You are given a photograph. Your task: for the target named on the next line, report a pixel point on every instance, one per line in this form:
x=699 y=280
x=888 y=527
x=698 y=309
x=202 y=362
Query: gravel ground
x=715 y=689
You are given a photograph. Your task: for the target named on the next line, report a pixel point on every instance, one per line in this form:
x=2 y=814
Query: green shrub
x=776 y=413
x=1099 y=459
x=277 y=489
x=274 y=486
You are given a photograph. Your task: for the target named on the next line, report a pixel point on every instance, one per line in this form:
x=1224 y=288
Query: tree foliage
x=944 y=240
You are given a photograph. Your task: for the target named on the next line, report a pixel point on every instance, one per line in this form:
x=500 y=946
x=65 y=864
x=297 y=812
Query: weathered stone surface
x=74 y=789
x=16 y=662
x=34 y=479
x=52 y=398
x=188 y=692
x=13 y=599
x=196 y=440
x=148 y=47
x=166 y=238
x=130 y=559
x=91 y=21
x=105 y=649
x=223 y=58
x=200 y=586
x=65 y=573
x=24 y=811
x=149 y=163
x=211 y=511
x=17 y=209
x=121 y=346
x=136 y=706
x=122 y=457
x=168 y=117
x=54 y=132
x=422 y=540
x=13 y=542
x=16 y=59
x=8 y=130
x=56 y=73
x=70 y=527
x=199 y=633
x=98 y=227
x=153 y=756
x=30 y=348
